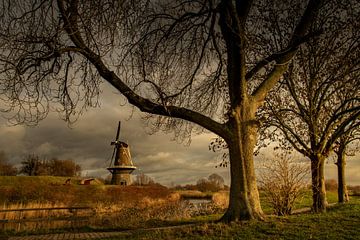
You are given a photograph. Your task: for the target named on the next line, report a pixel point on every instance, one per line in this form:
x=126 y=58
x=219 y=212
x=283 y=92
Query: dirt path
x=89 y=235
x=70 y=236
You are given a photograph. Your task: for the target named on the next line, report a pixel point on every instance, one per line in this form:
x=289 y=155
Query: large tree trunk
x=244 y=202
x=239 y=205
x=249 y=142
x=342 y=189
x=318 y=183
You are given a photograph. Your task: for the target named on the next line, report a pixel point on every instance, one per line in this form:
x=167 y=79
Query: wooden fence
x=40 y=218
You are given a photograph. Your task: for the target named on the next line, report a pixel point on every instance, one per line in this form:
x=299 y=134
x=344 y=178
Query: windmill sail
x=118 y=132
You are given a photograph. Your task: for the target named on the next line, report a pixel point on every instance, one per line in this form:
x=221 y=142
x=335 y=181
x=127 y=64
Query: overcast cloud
x=88 y=143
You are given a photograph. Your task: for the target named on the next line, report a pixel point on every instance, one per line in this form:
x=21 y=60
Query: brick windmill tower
x=123 y=166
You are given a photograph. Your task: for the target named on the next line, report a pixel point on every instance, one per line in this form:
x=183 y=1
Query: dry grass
x=147 y=212
x=34 y=216
x=193 y=194
x=123 y=215
x=221 y=199
x=114 y=206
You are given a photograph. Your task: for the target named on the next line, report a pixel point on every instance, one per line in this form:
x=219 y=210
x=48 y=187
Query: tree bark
x=343 y=195
x=239 y=205
x=244 y=202
x=318 y=183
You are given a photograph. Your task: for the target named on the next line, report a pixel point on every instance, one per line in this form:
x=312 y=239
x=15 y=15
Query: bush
x=331 y=185
x=354 y=190
x=282 y=181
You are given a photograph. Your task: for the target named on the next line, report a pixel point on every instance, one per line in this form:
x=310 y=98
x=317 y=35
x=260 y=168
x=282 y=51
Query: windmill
x=122 y=164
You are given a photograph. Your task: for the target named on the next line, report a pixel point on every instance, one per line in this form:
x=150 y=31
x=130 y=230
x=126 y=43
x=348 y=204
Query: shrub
x=282 y=181
x=354 y=190
x=331 y=185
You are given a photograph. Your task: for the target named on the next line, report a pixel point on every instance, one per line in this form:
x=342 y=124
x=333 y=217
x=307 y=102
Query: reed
x=34 y=216
x=221 y=199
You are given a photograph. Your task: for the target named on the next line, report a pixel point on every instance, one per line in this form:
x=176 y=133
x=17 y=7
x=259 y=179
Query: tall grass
x=221 y=199
x=114 y=206
x=35 y=216
x=147 y=212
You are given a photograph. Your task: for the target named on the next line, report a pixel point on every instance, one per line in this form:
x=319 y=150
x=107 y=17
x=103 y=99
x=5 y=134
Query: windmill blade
x=112 y=156
x=118 y=132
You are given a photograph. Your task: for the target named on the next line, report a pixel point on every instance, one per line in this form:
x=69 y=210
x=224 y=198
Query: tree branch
x=282 y=61
x=144 y=105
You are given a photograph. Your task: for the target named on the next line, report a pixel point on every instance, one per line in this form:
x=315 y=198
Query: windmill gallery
x=121 y=165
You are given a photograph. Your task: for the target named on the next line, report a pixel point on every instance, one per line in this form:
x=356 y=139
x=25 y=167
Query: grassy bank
x=340 y=222
x=48 y=189
x=113 y=207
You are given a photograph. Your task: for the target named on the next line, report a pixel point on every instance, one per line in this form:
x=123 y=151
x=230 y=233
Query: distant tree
x=6 y=169
x=142 y=179
x=65 y=168
x=31 y=165
x=204 y=185
x=217 y=180
x=331 y=185
x=213 y=183
x=201 y=181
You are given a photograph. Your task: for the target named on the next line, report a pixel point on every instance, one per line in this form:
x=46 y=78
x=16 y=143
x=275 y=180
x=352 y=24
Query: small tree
x=213 y=183
x=217 y=180
x=282 y=180
x=63 y=168
x=6 y=169
x=31 y=165
x=143 y=179
x=205 y=185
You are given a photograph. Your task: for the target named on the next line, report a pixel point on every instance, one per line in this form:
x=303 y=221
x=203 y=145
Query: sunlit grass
x=339 y=222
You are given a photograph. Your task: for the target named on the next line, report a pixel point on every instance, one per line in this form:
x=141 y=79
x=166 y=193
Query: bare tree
x=209 y=62
x=319 y=100
x=32 y=165
x=142 y=179
x=282 y=180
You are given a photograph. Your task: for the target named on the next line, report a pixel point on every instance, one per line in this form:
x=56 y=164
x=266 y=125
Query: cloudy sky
x=87 y=142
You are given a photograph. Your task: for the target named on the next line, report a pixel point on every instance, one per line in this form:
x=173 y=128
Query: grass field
x=340 y=222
